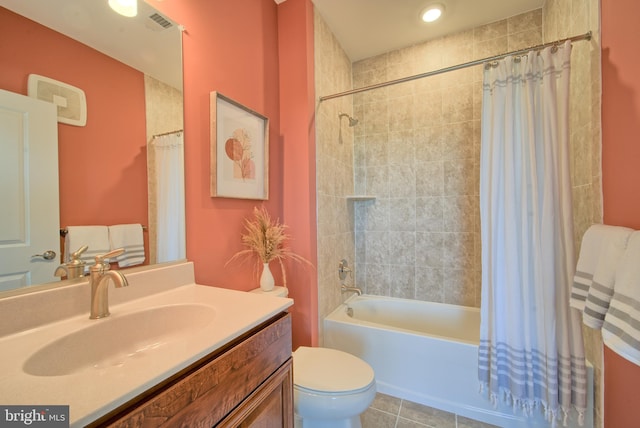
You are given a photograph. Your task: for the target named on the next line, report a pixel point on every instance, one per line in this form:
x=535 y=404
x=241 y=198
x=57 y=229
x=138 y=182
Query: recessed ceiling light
x=127 y=8
x=432 y=13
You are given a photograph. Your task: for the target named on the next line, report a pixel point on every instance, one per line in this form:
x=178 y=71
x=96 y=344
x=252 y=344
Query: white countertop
x=94 y=391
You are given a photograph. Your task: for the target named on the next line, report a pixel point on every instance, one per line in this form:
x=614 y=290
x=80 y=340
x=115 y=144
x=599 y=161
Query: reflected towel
x=129 y=237
x=94 y=237
x=599 y=297
x=621 y=328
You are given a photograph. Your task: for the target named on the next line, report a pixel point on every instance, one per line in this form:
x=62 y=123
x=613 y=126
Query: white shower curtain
x=531 y=349
x=169 y=178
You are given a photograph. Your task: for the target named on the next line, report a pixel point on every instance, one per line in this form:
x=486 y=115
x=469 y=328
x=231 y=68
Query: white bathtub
x=426 y=353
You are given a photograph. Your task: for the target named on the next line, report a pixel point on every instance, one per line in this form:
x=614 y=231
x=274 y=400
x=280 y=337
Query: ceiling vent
x=159 y=22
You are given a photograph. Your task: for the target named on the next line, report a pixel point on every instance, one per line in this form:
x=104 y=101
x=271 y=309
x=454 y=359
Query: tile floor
x=392 y=412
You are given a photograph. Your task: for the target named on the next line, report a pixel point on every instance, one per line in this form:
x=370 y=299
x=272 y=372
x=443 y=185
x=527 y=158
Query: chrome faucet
x=74 y=268
x=346 y=289
x=99 y=276
x=343 y=271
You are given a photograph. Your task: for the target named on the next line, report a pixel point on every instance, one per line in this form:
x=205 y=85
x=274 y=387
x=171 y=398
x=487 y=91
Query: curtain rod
x=585 y=36
x=167 y=133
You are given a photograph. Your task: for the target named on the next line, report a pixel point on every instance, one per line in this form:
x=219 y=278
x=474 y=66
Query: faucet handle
x=113 y=253
x=343 y=270
x=76 y=255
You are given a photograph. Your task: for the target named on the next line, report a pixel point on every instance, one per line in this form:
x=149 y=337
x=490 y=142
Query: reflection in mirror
x=111 y=171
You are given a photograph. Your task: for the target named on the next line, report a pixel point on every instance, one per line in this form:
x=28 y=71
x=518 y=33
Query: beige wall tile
x=530 y=21
x=491 y=47
x=335 y=164
x=417 y=149
x=525 y=39
x=429 y=284
x=490 y=31
x=429 y=214
x=459 y=287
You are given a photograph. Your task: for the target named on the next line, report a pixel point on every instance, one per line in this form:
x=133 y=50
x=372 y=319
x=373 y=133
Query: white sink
x=118 y=339
x=161 y=324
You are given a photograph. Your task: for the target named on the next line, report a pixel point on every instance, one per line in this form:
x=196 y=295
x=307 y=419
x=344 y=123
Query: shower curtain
x=531 y=351
x=168 y=155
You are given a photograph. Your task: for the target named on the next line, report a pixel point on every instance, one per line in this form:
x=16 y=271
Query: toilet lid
x=330 y=370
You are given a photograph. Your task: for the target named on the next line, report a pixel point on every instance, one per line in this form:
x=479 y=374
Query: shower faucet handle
x=343 y=270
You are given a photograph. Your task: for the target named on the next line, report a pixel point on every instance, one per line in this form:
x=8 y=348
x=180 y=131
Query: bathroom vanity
x=247 y=382
x=172 y=353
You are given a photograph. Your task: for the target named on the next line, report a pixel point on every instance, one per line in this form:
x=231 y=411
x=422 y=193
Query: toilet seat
x=329 y=371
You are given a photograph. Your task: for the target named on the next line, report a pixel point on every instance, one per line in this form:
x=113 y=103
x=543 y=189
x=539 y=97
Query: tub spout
x=346 y=289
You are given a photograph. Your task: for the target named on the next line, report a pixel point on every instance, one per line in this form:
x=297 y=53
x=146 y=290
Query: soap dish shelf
x=361 y=198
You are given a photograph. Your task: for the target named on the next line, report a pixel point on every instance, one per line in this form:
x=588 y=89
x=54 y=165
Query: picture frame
x=239 y=150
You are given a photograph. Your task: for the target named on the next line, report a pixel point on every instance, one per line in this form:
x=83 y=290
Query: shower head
x=352 y=120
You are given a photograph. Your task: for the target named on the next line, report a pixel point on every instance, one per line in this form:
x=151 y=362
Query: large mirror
x=131 y=72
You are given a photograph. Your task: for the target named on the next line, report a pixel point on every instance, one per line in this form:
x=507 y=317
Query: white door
x=29 y=205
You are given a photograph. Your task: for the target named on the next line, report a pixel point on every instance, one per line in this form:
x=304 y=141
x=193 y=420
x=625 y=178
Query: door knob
x=47 y=255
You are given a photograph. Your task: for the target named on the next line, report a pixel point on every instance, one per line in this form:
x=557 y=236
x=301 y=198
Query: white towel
x=94 y=237
x=621 y=329
x=613 y=248
x=129 y=237
x=587 y=261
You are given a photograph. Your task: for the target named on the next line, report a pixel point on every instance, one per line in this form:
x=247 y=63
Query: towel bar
x=63 y=231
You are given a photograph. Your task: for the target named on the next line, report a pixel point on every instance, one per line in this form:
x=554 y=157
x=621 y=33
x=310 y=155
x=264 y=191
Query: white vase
x=266 y=279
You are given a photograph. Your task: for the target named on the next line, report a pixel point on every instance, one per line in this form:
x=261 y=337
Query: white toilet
x=331 y=388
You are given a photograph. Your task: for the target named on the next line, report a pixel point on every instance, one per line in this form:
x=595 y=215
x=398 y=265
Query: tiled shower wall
x=416 y=149
x=334 y=159
x=417 y=152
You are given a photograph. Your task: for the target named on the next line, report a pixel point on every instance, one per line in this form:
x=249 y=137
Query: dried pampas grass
x=266 y=241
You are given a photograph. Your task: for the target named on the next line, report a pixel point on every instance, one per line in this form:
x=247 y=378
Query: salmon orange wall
x=621 y=175
x=297 y=108
x=232 y=47
x=621 y=112
x=103 y=172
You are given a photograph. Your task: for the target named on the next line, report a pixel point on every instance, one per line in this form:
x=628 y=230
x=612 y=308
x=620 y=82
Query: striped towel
x=601 y=290
x=587 y=262
x=95 y=237
x=621 y=329
x=129 y=237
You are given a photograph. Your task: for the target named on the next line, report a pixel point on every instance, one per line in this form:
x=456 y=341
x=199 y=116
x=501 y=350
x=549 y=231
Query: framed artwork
x=239 y=150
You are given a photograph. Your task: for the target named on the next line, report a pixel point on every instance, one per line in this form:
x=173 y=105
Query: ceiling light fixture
x=127 y=8
x=432 y=12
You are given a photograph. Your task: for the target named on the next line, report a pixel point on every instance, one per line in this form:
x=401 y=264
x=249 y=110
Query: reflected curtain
x=531 y=350
x=168 y=175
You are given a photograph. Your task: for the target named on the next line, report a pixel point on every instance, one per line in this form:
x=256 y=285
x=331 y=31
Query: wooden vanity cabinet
x=248 y=383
